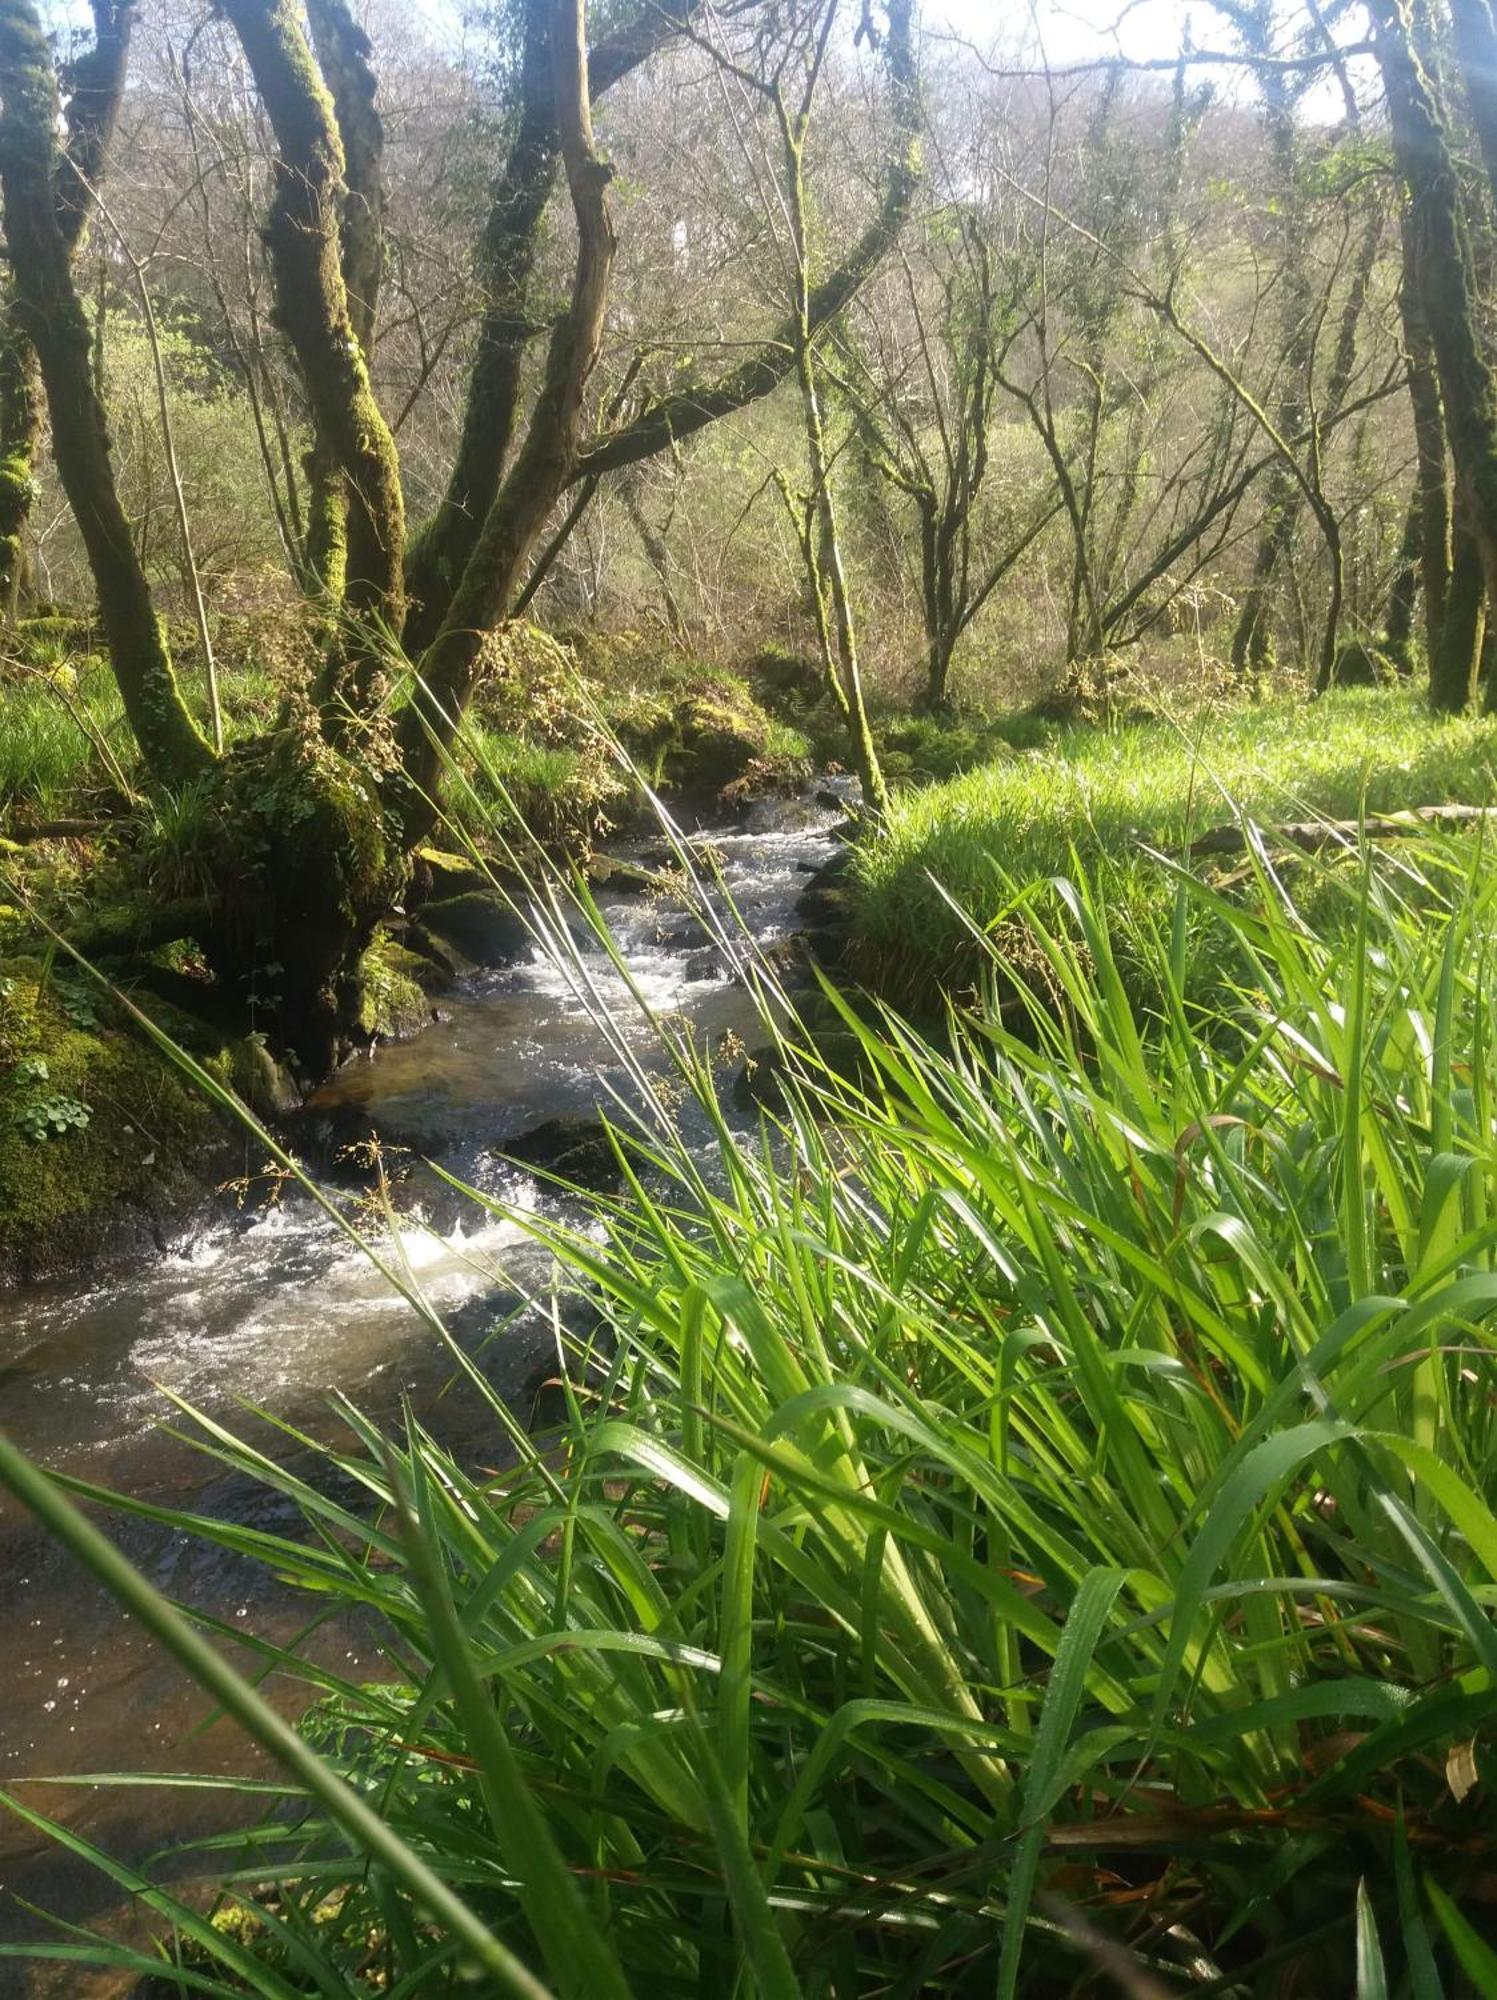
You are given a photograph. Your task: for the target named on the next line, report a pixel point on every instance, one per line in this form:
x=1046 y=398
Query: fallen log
x=1315 y=833
x=126 y=932
x=59 y=829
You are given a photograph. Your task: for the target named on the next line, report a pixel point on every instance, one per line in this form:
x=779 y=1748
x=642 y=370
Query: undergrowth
x=1022 y=1525
x=1104 y=795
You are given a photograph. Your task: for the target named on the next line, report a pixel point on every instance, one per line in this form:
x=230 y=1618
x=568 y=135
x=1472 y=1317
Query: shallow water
x=274 y=1306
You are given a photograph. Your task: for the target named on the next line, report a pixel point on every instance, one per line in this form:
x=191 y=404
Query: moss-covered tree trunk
x=1445 y=275
x=304 y=239
x=1455 y=657
x=343 y=53
x=547 y=458
x=50 y=314
x=440 y=552
x=1476 y=53
x=95 y=85
x=1431 y=466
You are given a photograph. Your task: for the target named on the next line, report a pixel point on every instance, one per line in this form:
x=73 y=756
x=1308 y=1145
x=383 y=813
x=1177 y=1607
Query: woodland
x=747 y=752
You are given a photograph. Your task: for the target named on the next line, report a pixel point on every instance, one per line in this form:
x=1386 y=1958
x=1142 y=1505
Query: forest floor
x=102 y=1143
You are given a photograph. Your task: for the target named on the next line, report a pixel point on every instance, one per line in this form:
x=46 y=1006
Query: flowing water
x=274 y=1306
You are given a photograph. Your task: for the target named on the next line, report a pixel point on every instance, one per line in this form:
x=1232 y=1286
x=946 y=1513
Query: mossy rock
x=575 y=1148
x=101 y=1137
x=482 y=925
x=438 y=874
x=1361 y=664
x=393 y=1003
x=783 y=671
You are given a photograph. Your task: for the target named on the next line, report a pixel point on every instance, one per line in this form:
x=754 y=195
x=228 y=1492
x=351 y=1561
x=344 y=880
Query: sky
x=1078 y=31
x=1074 y=31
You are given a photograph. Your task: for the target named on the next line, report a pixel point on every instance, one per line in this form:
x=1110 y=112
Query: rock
x=265 y=1085
x=788 y=959
x=704 y=965
x=443 y=963
x=575 y=1148
x=482 y=925
x=439 y=874
x=759 y=1084
x=826 y=904
x=622 y=878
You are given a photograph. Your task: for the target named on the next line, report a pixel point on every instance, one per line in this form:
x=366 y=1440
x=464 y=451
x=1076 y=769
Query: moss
x=1360 y=664
x=703 y=734
x=75 y=1191
x=393 y=997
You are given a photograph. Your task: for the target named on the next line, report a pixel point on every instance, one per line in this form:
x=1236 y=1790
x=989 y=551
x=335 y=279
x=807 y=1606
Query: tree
x=923 y=383
x=318 y=816
x=94 y=83
x=1444 y=277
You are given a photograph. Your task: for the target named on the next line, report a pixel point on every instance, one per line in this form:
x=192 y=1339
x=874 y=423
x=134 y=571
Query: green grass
x=49 y=732
x=507 y=784
x=1105 y=794
x=1055 y=1520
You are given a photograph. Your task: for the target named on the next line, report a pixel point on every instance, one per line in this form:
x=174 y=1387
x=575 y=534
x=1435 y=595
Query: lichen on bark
x=303 y=238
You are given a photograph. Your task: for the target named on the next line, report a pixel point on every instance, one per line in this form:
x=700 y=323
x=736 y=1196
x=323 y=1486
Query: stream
x=273 y=1306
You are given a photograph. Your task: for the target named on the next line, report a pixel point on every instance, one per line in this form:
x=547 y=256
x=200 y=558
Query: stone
x=482 y=925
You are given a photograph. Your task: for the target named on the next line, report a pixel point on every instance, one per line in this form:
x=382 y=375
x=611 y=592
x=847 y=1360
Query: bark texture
x=440 y=551
x=1431 y=478
x=303 y=237
x=95 y=85
x=50 y=314
x=547 y=458
x=343 y=54
x=1446 y=278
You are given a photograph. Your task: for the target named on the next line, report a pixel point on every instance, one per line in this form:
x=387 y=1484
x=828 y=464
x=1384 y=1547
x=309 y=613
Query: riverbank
x=973 y=1452
x=1102 y=798
x=276 y=1307
x=107 y=1152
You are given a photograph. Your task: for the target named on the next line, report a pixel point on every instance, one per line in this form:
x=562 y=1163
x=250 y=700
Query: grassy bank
x=1045 y=1541
x=1103 y=795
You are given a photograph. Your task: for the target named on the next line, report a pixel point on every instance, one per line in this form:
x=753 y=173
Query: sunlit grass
x=1037 y=1505
x=54 y=729
x=1105 y=794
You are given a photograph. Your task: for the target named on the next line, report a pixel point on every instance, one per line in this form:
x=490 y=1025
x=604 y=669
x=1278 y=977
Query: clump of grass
x=1104 y=795
x=507 y=784
x=55 y=728
x=1025 y=1516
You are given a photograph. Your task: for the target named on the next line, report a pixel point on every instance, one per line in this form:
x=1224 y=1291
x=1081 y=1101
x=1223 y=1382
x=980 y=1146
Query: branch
x=1310 y=834
x=681 y=415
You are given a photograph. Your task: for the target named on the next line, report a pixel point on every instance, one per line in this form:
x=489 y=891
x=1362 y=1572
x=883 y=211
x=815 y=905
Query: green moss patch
x=99 y=1134
x=394 y=990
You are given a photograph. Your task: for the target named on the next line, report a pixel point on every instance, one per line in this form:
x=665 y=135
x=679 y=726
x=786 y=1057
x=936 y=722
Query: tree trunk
x=302 y=236
x=50 y=313
x=343 y=52
x=97 y=84
x=545 y=461
x=1447 y=293
x=1398 y=626
x=1476 y=52
x=687 y=411
x=1432 y=482
x=440 y=550
x=1454 y=663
